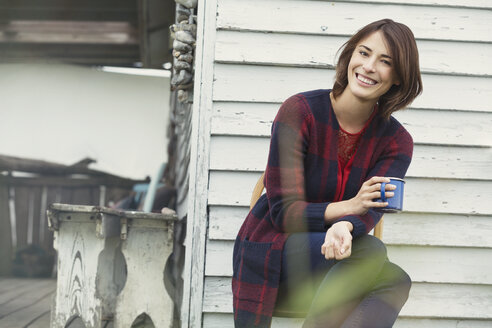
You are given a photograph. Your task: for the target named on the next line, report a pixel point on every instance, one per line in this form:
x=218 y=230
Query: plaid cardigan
x=302 y=177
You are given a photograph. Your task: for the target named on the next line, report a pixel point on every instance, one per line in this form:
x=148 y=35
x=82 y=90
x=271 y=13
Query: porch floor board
x=26 y=303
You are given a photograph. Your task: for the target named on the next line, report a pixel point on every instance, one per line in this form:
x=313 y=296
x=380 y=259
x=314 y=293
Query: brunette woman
x=304 y=248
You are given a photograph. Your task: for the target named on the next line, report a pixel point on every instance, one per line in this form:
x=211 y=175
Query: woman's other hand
x=338 y=241
x=371 y=189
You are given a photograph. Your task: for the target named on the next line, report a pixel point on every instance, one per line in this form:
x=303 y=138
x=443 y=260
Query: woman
x=304 y=247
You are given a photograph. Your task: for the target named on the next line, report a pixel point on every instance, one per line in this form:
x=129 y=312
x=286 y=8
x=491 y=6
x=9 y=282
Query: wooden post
x=5 y=232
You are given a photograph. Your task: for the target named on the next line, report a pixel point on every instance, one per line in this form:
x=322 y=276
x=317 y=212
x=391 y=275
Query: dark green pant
x=364 y=290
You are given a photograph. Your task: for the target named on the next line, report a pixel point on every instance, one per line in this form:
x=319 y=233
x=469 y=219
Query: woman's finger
x=329 y=251
x=370 y=203
x=389 y=187
x=374 y=187
x=376 y=179
x=345 y=255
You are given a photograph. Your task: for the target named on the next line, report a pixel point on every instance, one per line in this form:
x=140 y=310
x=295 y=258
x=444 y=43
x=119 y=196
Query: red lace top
x=347 y=145
x=348 y=142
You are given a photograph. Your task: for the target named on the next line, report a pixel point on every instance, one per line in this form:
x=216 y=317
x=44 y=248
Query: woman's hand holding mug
x=370 y=190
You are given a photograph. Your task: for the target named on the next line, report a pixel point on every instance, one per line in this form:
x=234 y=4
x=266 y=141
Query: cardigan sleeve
x=284 y=176
x=393 y=162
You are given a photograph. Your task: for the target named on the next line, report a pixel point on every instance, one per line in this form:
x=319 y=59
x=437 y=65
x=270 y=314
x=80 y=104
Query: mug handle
x=383 y=193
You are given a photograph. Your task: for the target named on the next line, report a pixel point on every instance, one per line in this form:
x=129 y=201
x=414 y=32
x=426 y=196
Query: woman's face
x=370 y=71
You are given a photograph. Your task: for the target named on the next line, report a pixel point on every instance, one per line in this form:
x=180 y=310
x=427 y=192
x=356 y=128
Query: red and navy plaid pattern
x=302 y=177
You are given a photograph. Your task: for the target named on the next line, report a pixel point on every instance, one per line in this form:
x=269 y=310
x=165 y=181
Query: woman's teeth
x=365 y=80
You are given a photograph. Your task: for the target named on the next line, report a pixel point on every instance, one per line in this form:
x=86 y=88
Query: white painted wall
x=254 y=54
x=64 y=113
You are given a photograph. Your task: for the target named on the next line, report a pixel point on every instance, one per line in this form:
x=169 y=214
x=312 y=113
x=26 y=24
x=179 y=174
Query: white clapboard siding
x=421 y=229
x=254 y=83
x=319 y=51
x=421 y=195
x=227 y=153
x=265 y=51
x=213 y=320
x=463 y=128
x=456 y=3
x=425 y=300
x=423 y=264
x=343 y=18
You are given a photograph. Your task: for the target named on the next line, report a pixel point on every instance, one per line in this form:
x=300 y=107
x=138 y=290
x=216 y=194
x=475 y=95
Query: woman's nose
x=369 y=66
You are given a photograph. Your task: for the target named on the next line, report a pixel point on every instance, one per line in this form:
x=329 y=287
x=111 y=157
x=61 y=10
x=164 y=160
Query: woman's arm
x=284 y=176
x=357 y=215
x=393 y=162
x=338 y=238
x=362 y=202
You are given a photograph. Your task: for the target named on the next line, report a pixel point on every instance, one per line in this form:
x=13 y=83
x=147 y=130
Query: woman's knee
x=404 y=283
x=397 y=279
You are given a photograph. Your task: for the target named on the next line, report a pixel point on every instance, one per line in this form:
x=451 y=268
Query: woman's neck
x=351 y=113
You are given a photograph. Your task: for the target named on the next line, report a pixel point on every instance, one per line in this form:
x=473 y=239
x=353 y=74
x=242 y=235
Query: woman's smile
x=365 y=79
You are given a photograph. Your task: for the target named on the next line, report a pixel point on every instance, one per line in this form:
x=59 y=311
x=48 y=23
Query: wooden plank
x=439 y=264
x=452 y=3
x=421 y=195
x=5 y=233
x=425 y=300
x=438 y=230
x=21 y=215
x=28 y=310
x=197 y=213
x=53 y=196
x=447 y=127
x=426 y=126
x=419 y=229
x=87 y=32
x=423 y=264
x=36 y=211
x=26 y=300
x=449 y=300
x=42 y=320
x=254 y=83
x=225 y=221
x=55 y=181
x=243 y=118
x=441 y=57
x=22 y=288
x=404 y=322
x=227 y=153
x=339 y=18
x=82 y=196
x=66 y=195
x=8 y=283
x=43 y=206
x=225 y=320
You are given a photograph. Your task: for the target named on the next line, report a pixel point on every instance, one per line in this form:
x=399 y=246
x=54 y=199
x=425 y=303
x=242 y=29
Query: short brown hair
x=403 y=49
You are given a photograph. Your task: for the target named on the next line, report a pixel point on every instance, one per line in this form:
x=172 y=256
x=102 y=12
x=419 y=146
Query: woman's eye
x=386 y=62
x=363 y=53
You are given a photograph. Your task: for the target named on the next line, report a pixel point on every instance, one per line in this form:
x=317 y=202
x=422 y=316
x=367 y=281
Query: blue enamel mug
x=395 y=203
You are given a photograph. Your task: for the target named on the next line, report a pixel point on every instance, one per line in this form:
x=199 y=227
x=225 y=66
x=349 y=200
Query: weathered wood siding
x=261 y=52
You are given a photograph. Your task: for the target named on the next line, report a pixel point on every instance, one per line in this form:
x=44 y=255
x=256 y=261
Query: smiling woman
x=304 y=248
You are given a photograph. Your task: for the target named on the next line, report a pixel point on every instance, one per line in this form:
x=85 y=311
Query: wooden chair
x=258 y=190
x=279 y=311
